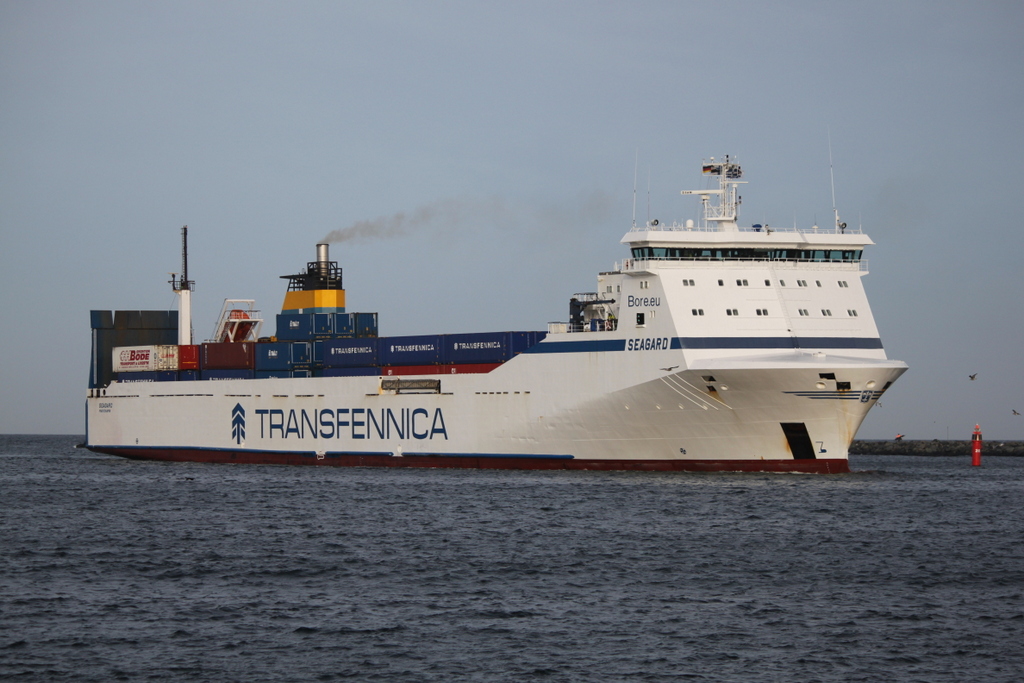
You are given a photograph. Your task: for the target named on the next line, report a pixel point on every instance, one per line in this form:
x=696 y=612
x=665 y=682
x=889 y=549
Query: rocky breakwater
x=934 y=447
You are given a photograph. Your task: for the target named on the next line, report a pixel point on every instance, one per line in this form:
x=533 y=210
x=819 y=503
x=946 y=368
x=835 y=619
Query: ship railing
x=631 y=264
x=595 y=325
x=678 y=227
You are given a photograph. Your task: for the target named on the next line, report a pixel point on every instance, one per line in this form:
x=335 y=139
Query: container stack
x=310 y=326
x=448 y=354
x=112 y=329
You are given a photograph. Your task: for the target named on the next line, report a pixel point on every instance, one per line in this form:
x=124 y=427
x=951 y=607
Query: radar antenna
x=728 y=208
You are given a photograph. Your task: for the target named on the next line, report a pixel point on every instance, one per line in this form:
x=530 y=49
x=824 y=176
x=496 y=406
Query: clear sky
x=511 y=129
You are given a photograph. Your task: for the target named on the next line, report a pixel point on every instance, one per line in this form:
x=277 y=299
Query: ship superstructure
x=710 y=347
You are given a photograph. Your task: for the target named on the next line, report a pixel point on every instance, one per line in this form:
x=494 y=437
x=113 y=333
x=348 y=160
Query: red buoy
x=976 y=446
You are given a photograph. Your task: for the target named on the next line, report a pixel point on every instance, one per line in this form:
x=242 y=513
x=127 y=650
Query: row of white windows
x=825 y=312
x=645 y=284
x=746 y=283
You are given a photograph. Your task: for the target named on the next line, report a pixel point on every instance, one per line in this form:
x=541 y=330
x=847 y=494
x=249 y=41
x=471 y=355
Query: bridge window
x=698 y=311
x=746 y=254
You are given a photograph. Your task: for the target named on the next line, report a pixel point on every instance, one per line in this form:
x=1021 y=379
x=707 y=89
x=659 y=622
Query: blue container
x=366 y=324
x=344 y=325
x=285 y=355
x=266 y=374
x=149 y=376
x=350 y=372
x=188 y=375
x=521 y=341
x=302 y=373
x=419 y=350
x=350 y=353
x=227 y=374
x=485 y=347
x=144 y=376
x=323 y=325
x=317 y=356
x=295 y=326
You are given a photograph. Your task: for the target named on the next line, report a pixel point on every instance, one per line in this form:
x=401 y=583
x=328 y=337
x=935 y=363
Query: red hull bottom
x=830 y=466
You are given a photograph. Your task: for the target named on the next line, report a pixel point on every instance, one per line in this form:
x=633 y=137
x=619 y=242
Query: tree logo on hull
x=238 y=423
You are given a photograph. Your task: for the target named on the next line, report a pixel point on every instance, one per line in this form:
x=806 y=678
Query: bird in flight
x=1015 y=412
x=973 y=376
x=670 y=368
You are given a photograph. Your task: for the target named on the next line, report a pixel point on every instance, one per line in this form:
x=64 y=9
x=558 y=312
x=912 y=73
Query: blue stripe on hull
x=716 y=343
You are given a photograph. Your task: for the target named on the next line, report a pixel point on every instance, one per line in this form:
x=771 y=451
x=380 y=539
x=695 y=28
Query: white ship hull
x=572 y=410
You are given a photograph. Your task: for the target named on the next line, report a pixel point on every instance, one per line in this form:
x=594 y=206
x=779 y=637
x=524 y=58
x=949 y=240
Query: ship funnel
x=323 y=260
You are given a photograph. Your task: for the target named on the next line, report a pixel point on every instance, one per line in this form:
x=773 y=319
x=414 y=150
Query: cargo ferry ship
x=709 y=347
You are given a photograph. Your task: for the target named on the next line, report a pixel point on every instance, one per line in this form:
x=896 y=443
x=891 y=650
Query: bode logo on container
x=135 y=356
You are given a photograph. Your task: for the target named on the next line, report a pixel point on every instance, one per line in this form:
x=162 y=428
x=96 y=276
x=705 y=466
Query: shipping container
x=104 y=340
x=275 y=374
x=228 y=356
x=350 y=353
x=188 y=375
x=344 y=326
x=366 y=324
x=317 y=355
x=295 y=326
x=226 y=374
x=350 y=372
x=148 y=376
x=188 y=357
x=280 y=355
x=144 y=358
x=418 y=350
x=141 y=376
x=323 y=325
x=484 y=347
x=521 y=341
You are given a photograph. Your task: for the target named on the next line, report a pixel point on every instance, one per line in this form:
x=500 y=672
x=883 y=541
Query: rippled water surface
x=910 y=569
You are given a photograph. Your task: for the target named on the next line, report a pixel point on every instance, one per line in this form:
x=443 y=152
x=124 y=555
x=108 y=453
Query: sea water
x=909 y=569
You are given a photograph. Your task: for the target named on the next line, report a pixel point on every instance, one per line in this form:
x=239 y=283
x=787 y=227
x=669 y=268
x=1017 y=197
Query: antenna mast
x=636 y=160
x=840 y=227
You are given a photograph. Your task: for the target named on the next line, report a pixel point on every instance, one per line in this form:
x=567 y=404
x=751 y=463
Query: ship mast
x=727 y=210
x=183 y=287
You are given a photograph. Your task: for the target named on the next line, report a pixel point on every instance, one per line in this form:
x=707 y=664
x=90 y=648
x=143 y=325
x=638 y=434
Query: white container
x=142 y=358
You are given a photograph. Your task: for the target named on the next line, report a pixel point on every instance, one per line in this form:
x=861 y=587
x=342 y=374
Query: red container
x=188 y=357
x=459 y=369
x=228 y=356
